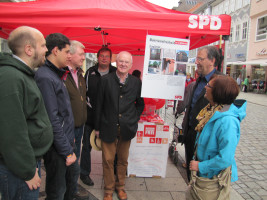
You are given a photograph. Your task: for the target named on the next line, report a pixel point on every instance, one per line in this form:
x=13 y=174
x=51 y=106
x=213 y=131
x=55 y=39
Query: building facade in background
x=246 y=49
x=256 y=65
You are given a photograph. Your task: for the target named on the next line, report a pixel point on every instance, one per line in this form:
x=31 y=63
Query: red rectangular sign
x=150 y=131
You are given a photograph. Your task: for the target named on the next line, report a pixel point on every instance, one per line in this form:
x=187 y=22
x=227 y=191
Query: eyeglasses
x=103 y=56
x=208 y=85
x=199 y=59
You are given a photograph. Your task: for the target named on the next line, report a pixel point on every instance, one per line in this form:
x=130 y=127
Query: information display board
x=165 y=67
x=149 y=150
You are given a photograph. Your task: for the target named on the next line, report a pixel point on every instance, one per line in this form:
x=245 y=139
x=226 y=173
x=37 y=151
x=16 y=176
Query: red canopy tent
x=120 y=24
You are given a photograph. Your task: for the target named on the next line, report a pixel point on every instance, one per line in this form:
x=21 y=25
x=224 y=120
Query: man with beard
x=207 y=59
x=25 y=130
x=92 y=77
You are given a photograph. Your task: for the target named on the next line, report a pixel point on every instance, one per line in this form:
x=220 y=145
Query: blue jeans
x=12 y=187
x=85 y=164
x=61 y=181
x=78 y=131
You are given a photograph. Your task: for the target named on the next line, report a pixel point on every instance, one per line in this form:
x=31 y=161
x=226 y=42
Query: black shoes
x=87 y=180
x=80 y=195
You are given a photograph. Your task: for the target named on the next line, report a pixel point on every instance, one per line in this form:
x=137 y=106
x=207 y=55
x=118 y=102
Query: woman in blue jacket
x=219 y=129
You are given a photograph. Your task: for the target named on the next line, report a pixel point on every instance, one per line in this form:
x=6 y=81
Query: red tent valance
x=120 y=24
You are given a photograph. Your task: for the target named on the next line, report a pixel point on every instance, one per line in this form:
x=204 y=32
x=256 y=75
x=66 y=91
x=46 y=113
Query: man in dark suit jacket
x=207 y=59
x=118 y=110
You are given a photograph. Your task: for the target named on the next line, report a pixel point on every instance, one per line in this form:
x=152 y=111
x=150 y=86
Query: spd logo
x=158 y=140
x=178 y=97
x=201 y=21
x=140 y=134
x=152 y=140
x=181 y=42
x=139 y=140
x=166 y=128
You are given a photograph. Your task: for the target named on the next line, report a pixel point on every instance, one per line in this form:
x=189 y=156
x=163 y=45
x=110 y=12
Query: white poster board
x=148 y=152
x=165 y=67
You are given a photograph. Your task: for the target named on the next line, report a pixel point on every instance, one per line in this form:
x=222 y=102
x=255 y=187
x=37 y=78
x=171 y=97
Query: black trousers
x=190 y=139
x=61 y=180
x=85 y=164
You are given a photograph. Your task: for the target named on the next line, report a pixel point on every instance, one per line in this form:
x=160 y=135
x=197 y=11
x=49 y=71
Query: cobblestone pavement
x=251 y=153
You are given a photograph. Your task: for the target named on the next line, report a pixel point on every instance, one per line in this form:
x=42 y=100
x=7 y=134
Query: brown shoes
x=121 y=194
x=108 y=196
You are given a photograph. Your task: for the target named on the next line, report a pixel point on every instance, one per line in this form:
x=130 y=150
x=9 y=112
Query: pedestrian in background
x=62 y=169
x=25 y=130
x=246 y=84
x=239 y=82
x=119 y=107
x=137 y=73
x=92 y=77
x=207 y=59
x=218 y=135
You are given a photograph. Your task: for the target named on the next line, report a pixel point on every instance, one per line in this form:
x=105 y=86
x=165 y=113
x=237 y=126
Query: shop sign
x=240 y=55
x=262 y=52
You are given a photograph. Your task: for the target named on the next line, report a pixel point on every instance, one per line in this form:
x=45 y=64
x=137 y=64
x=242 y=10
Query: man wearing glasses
x=92 y=76
x=207 y=60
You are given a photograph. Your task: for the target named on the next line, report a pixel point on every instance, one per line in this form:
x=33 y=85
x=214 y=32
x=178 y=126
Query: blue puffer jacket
x=58 y=106
x=218 y=140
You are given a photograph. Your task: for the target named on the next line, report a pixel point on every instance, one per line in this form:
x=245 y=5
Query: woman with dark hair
x=218 y=135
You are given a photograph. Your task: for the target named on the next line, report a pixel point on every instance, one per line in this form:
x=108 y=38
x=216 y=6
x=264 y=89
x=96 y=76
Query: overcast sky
x=165 y=3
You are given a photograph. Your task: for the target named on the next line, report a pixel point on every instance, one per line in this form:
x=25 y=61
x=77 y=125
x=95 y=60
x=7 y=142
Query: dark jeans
x=190 y=139
x=78 y=131
x=12 y=187
x=246 y=88
x=85 y=164
x=61 y=181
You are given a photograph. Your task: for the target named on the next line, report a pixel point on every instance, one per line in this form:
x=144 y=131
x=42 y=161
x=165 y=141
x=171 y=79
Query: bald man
x=117 y=114
x=25 y=130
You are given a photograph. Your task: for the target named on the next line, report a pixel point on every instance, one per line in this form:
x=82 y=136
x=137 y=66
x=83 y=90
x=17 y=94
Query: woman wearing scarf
x=217 y=139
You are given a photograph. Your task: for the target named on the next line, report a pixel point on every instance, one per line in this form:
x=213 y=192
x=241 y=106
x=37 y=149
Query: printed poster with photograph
x=164 y=71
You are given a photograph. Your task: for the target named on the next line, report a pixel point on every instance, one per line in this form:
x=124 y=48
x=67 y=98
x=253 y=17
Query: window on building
x=220 y=11
x=231 y=35
x=245 y=2
x=215 y=11
x=237 y=32
x=232 y=5
x=261 y=33
x=226 y=6
x=245 y=30
x=238 y=4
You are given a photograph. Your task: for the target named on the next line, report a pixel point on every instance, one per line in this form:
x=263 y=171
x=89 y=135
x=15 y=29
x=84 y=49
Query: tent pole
x=220 y=44
x=225 y=56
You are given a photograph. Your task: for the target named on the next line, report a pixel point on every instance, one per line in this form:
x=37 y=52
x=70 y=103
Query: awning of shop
x=119 y=24
x=262 y=63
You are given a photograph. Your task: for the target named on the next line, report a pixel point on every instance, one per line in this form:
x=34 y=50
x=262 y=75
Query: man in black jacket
x=208 y=58
x=119 y=106
x=92 y=77
x=62 y=169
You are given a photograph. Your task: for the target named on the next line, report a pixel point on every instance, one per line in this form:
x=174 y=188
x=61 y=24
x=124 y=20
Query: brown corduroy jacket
x=77 y=98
